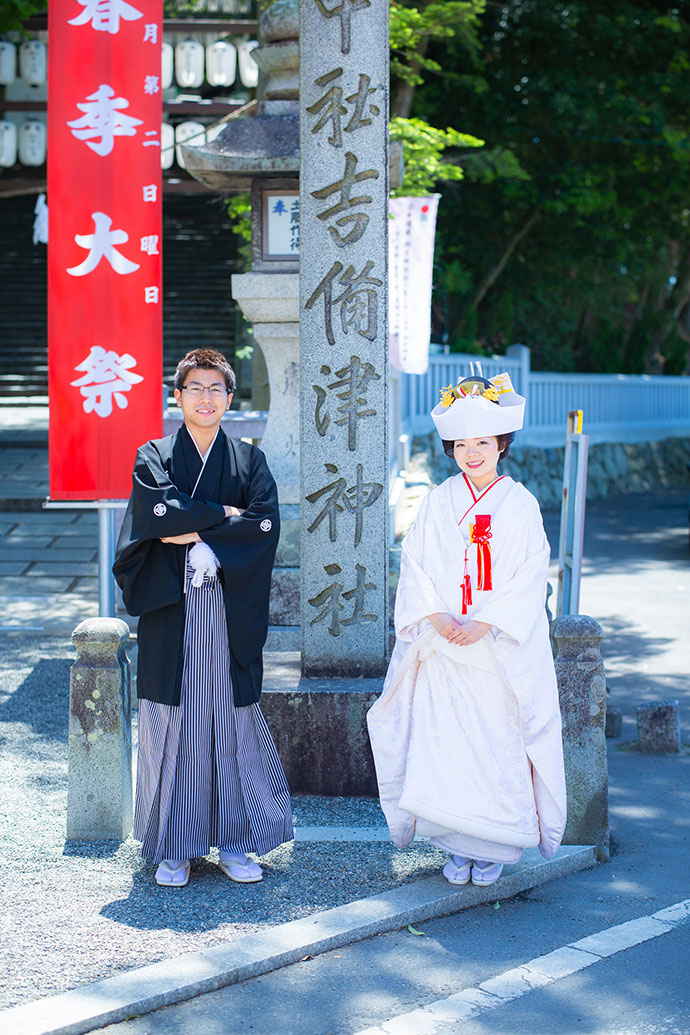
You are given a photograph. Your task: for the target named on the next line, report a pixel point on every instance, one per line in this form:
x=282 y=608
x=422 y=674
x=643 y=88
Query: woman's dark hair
x=504 y=444
x=205 y=359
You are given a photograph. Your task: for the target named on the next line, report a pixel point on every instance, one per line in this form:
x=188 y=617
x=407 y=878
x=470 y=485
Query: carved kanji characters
x=330 y=108
x=359 y=220
x=358 y=301
x=330 y=600
x=354 y=379
x=345 y=9
x=355 y=499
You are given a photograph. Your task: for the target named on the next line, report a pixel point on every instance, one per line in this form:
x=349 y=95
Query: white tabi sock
x=232 y=857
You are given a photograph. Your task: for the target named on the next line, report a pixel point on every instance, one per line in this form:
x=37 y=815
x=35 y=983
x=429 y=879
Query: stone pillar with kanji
x=344 y=336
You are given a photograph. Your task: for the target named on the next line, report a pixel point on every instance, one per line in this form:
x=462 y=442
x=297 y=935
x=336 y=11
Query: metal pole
x=106 y=556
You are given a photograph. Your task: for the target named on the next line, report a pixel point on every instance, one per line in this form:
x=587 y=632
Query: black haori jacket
x=151 y=573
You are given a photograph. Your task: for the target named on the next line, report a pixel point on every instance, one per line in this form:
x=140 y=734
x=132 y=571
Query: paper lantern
x=221 y=63
x=189 y=63
x=167 y=145
x=249 y=70
x=194 y=132
x=167 y=64
x=8 y=144
x=8 y=63
x=32 y=142
x=33 y=62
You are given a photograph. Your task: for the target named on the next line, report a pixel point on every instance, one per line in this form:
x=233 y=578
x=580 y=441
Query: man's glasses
x=198 y=390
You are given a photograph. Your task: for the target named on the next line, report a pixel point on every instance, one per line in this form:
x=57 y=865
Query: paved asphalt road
x=636 y=583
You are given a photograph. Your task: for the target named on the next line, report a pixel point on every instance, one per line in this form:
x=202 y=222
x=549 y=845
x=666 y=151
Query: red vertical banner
x=105 y=242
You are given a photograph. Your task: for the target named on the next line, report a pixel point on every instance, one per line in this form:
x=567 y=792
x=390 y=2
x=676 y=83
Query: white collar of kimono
x=204 y=458
x=460 y=484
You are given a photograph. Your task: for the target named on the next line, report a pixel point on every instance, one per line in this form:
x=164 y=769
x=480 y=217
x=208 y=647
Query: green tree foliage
x=13 y=13
x=585 y=255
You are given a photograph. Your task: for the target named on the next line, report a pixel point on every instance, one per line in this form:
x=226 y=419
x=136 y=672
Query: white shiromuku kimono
x=467 y=739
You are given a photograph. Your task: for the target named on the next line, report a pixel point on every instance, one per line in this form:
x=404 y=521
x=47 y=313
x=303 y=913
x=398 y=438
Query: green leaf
x=413 y=930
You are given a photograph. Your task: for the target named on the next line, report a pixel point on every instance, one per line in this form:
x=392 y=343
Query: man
x=194 y=561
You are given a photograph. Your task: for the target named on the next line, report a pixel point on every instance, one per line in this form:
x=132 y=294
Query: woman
x=467 y=733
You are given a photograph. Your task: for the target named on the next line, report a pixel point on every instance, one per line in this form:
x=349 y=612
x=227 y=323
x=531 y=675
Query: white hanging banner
x=412 y=228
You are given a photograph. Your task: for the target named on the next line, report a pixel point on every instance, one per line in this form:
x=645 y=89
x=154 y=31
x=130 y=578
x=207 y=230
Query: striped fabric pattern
x=208 y=773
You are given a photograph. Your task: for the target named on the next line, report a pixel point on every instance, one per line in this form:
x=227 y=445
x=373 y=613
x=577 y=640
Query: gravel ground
x=74 y=912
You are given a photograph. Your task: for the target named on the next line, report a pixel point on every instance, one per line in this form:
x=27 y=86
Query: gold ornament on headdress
x=449 y=395
x=459 y=391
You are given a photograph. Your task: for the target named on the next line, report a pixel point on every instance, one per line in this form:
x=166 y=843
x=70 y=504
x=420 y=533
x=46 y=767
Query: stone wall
x=613 y=468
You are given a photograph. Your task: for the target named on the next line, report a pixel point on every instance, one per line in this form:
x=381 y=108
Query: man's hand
x=182 y=540
x=461 y=633
x=232 y=511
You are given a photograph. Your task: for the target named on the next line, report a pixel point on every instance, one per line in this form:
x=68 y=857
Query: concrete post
x=582 y=693
x=522 y=353
x=99 y=790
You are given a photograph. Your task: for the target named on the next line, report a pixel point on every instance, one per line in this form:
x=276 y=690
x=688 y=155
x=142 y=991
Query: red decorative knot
x=480 y=533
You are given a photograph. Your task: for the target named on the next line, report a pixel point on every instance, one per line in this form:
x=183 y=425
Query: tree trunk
x=401 y=104
x=671 y=312
x=496 y=270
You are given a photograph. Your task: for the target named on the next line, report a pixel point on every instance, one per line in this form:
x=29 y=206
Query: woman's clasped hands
x=461 y=633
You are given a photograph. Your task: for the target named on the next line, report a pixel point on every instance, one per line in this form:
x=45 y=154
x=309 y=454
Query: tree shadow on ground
x=630 y=532
x=623 y=641
x=41 y=700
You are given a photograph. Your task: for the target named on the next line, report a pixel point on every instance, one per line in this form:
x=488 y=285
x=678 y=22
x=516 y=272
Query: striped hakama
x=208 y=773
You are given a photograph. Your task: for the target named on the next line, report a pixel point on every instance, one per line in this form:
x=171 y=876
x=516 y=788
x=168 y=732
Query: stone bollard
x=614 y=720
x=582 y=694
x=99 y=790
x=658 y=728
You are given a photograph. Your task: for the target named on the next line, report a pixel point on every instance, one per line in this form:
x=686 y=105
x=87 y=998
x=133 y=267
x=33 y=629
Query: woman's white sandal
x=167 y=876
x=487 y=873
x=457 y=870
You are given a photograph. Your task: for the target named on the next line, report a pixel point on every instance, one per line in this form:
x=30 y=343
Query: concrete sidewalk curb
x=145 y=989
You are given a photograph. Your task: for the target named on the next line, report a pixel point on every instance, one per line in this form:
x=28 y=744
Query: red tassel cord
x=480 y=533
x=466 y=588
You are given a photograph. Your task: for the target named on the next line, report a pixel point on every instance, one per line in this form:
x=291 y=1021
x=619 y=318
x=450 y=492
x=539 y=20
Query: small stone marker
x=582 y=694
x=614 y=720
x=99 y=792
x=658 y=728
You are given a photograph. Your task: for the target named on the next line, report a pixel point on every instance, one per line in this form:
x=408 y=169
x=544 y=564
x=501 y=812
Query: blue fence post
x=521 y=353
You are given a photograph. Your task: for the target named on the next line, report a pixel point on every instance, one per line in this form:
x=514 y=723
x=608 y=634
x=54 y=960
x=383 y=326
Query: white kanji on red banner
x=103 y=120
x=101 y=244
x=107 y=376
x=105 y=15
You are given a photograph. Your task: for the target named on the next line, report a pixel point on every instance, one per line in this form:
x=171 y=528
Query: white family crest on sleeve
x=103 y=120
x=160 y=509
x=107 y=376
x=101 y=244
x=266 y=525
x=105 y=15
